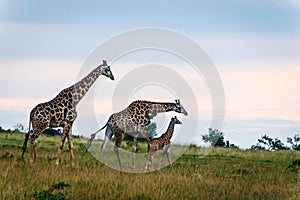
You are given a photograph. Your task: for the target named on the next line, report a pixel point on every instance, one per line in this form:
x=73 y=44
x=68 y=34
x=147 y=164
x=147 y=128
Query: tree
x=214 y=137
x=52 y=132
x=151 y=132
x=257 y=147
x=4 y=131
x=268 y=143
x=228 y=145
x=295 y=142
x=19 y=127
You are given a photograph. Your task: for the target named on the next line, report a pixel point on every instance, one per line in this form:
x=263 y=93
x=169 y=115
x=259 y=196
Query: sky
x=254 y=46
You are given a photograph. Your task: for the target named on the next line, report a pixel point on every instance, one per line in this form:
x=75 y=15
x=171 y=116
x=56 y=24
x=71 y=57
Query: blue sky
x=254 y=44
x=59 y=24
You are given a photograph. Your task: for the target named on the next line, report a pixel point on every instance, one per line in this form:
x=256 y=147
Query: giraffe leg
x=117 y=151
x=108 y=136
x=70 y=145
x=149 y=160
x=34 y=141
x=62 y=141
x=31 y=148
x=103 y=146
x=33 y=144
x=133 y=152
x=169 y=157
x=34 y=149
x=162 y=159
x=119 y=137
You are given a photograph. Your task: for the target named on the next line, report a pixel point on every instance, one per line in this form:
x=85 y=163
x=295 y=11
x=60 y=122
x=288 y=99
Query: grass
x=222 y=174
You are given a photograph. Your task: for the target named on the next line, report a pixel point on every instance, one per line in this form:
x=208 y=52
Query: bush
x=216 y=139
x=48 y=194
x=268 y=143
x=295 y=142
x=52 y=132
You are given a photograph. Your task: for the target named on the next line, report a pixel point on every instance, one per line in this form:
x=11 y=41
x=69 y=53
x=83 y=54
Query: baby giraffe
x=163 y=142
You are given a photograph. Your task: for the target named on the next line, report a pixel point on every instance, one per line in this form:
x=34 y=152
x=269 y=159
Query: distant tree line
x=216 y=139
x=268 y=143
x=5 y=131
x=19 y=128
x=16 y=128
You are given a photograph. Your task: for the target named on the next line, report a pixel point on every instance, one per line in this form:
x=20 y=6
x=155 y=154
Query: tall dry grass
x=222 y=174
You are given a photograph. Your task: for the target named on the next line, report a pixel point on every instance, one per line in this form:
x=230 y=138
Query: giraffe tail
x=89 y=142
x=26 y=140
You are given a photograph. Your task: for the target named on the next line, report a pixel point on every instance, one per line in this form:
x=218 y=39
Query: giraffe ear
x=175 y=117
x=177 y=101
x=104 y=62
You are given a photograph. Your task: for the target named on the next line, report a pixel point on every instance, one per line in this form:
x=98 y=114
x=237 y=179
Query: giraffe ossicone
x=61 y=112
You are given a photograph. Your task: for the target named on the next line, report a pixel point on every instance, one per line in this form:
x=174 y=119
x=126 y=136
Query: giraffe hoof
x=57 y=162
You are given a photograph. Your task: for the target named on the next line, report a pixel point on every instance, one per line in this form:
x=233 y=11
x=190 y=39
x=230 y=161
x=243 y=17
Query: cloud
x=29 y=40
x=245 y=132
x=27 y=78
x=253 y=48
x=21 y=104
x=262 y=91
x=251 y=91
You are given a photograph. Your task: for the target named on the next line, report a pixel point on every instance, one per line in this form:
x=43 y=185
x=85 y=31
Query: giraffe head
x=179 y=108
x=176 y=121
x=105 y=70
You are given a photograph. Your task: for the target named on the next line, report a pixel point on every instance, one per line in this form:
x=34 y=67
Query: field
x=222 y=174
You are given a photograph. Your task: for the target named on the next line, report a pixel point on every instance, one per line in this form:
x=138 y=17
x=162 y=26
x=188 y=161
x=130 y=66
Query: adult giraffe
x=61 y=112
x=133 y=120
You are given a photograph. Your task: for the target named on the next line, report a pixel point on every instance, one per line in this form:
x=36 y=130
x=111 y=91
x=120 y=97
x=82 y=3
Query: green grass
x=222 y=174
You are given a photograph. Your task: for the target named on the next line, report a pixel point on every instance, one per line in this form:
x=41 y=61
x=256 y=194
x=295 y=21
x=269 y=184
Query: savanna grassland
x=222 y=174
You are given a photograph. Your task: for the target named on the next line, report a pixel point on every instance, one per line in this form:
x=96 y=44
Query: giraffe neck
x=161 y=107
x=169 y=133
x=81 y=88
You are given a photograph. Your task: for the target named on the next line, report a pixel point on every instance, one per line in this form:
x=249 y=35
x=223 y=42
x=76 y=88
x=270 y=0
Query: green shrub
x=48 y=194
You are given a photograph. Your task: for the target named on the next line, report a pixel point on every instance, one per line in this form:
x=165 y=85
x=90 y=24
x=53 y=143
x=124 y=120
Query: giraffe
x=61 y=112
x=133 y=120
x=163 y=142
